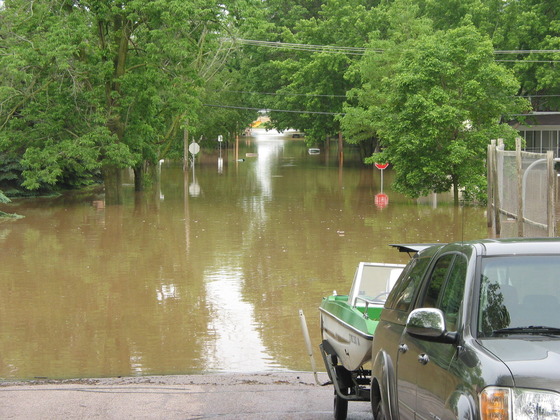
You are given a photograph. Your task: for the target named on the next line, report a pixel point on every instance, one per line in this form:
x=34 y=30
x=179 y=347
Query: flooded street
x=204 y=272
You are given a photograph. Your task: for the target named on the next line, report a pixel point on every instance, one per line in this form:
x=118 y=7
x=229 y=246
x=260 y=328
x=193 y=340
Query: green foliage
x=10 y=171
x=438 y=109
x=532 y=25
x=91 y=84
x=310 y=85
x=3 y=198
x=94 y=83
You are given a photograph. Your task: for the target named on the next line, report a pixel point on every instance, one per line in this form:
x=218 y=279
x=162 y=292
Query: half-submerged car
x=471 y=330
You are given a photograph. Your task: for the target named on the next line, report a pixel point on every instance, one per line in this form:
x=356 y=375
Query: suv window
x=519 y=291
x=404 y=291
x=437 y=278
x=446 y=287
x=452 y=295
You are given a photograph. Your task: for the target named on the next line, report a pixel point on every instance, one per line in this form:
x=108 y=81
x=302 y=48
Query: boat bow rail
x=367 y=302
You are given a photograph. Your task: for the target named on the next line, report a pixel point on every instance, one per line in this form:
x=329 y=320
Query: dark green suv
x=471 y=330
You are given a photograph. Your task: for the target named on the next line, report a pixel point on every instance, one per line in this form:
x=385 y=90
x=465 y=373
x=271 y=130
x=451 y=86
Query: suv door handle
x=403 y=348
x=423 y=359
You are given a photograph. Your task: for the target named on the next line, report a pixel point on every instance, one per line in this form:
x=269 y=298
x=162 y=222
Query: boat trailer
x=348 y=385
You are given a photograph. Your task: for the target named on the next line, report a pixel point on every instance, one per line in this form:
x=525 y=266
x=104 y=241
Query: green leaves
x=435 y=107
x=89 y=84
x=96 y=83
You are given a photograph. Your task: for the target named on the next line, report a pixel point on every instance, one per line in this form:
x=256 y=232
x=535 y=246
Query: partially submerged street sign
x=381 y=199
x=194 y=148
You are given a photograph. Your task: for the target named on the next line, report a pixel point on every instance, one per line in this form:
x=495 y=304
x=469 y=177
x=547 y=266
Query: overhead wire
x=311 y=95
x=527 y=61
x=300 y=47
x=349 y=51
x=352 y=50
x=274 y=110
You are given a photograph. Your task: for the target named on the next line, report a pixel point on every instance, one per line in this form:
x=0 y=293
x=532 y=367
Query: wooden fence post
x=496 y=188
x=520 y=197
x=490 y=183
x=551 y=196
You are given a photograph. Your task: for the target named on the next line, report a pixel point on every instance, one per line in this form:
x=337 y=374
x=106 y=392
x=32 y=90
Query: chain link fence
x=521 y=192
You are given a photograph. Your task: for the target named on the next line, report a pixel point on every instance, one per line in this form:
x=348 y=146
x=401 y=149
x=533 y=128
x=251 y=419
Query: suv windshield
x=519 y=295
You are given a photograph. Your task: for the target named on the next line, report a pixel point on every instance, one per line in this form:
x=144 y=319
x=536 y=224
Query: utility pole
x=340 y=149
x=236 y=142
x=186 y=146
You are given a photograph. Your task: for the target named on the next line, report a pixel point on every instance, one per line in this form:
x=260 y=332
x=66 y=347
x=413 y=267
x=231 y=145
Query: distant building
x=541 y=132
x=262 y=119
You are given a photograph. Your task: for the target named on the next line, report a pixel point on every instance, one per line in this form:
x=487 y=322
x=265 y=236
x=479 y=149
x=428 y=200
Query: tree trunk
x=139 y=178
x=112 y=175
x=112 y=178
x=340 y=149
x=455 y=193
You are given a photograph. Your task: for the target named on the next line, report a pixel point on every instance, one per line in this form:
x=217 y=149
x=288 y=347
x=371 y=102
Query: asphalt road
x=258 y=396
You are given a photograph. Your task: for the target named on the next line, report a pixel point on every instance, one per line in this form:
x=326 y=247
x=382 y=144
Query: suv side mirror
x=429 y=324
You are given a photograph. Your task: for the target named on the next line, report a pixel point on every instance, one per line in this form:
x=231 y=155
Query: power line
x=526 y=51
x=539 y=96
x=339 y=96
x=274 y=110
x=310 y=95
x=536 y=114
x=351 y=50
x=301 y=47
x=527 y=61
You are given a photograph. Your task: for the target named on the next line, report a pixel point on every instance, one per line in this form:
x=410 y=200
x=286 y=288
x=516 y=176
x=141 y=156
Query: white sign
x=194 y=148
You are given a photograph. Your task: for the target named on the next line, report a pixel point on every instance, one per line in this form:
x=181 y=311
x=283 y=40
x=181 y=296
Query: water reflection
x=270 y=147
x=171 y=282
x=237 y=345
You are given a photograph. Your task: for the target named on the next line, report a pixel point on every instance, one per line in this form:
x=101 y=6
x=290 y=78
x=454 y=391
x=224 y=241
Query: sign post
x=381 y=199
x=194 y=148
x=220 y=159
x=194 y=188
x=381 y=167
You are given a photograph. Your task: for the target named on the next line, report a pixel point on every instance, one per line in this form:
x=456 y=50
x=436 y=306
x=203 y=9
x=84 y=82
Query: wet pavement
x=269 y=395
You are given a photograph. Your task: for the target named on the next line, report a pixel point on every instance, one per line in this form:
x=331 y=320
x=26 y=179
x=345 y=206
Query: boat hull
x=347 y=330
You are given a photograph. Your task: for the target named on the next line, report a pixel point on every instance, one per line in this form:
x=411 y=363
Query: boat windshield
x=373 y=282
x=519 y=295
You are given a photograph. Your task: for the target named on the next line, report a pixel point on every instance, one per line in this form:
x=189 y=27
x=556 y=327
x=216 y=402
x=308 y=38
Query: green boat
x=348 y=322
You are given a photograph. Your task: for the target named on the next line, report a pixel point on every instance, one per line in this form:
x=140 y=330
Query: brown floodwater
x=206 y=270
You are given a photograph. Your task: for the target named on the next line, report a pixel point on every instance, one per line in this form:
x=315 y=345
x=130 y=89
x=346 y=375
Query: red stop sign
x=381 y=200
x=381 y=165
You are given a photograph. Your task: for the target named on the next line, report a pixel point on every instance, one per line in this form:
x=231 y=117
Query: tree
x=43 y=112
x=485 y=15
x=307 y=84
x=93 y=86
x=394 y=24
x=319 y=76
x=436 y=113
x=3 y=200
x=532 y=25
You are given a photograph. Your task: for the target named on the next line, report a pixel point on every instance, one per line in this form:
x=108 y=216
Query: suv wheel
x=378 y=413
